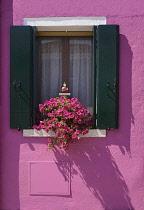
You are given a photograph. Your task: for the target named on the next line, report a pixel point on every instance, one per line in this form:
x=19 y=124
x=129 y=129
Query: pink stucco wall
x=106 y=173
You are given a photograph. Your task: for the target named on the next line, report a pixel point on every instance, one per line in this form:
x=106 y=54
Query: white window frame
x=64 y=24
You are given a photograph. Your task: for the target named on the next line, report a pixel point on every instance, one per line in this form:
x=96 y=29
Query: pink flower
x=85 y=131
x=80 y=121
x=71 y=131
x=34 y=126
x=74 y=136
x=77 y=132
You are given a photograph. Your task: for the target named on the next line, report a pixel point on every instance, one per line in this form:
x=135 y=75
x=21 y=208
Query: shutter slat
x=107 y=76
x=21 y=68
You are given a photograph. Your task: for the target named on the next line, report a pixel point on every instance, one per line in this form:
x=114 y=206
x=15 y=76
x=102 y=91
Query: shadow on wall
x=100 y=173
x=94 y=162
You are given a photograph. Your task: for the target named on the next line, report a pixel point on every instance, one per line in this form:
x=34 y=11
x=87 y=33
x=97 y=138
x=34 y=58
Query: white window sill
x=43 y=133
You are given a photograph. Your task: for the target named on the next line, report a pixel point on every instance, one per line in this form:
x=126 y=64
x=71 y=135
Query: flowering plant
x=67 y=118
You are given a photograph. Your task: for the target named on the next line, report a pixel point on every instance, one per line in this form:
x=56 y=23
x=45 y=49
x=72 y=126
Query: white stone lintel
x=65 y=21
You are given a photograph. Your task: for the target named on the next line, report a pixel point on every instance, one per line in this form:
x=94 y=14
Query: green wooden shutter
x=21 y=76
x=107 y=54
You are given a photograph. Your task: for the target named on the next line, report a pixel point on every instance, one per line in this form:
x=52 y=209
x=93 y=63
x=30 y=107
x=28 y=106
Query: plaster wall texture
x=106 y=173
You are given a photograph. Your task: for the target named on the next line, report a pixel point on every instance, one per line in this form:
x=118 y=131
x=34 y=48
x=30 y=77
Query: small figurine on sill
x=64 y=88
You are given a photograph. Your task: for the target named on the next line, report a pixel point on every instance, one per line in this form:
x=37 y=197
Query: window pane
x=65 y=59
x=80 y=79
x=50 y=68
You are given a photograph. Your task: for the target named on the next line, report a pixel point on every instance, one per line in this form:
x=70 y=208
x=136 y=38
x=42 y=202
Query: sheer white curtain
x=80 y=80
x=50 y=68
x=51 y=52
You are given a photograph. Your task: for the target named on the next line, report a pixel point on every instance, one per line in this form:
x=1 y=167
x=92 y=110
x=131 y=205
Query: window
x=104 y=75
x=65 y=59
